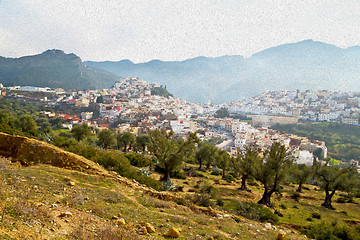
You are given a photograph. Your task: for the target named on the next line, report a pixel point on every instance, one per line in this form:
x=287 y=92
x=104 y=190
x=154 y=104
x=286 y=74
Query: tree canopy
x=169 y=151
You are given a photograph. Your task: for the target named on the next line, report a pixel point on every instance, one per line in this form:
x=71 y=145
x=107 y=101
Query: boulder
x=150 y=228
x=71 y=184
x=268 y=225
x=65 y=214
x=142 y=230
x=173 y=232
x=281 y=236
x=120 y=222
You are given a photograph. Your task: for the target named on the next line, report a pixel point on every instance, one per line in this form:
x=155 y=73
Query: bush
x=253 y=183
x=138 y=160
x=277 y=212
x=316 y=215
x=296 y=196
x=256 y=212
x=205 y=194
x=114 y=161
x=229 y=178
x=220 y=202
x=180 y=174
x=283 y=206
x=333 y=231
x=341 y=200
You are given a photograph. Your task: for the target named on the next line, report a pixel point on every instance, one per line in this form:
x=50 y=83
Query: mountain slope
x=304 y=65
x=53 y=68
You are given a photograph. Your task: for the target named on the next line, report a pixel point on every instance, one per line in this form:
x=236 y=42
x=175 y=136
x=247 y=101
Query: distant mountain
x=53 y=68
x=304 y=65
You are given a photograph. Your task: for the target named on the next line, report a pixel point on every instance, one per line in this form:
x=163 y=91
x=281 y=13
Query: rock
x=281 y=236
x=150 y=228
x=120 y=222
x=65 y=214
x=268 y=225
x=142 y=230
x=173 y=232
x=39 y=204
x=71 y=184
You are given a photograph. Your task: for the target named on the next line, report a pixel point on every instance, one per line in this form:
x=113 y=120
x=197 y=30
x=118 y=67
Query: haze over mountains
x=304 y=65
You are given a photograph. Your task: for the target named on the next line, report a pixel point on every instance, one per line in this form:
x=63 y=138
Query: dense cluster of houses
x=130 y=106
x=323 y=106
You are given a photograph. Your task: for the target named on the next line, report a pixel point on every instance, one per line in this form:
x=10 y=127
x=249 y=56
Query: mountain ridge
x=53 y=68
x=303 y=65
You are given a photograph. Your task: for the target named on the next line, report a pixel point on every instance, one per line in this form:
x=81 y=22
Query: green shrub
x=114 y=161
x=253 y=183
x=180 y=174
x=229 y=178
x=333 y=231
x=283 y=206
x=220 y=202
x=256 y=212
x=341 y=200
x=296 y=196
x=138 y=160
x=205 y=194
x=277 y=212
x=316 y=215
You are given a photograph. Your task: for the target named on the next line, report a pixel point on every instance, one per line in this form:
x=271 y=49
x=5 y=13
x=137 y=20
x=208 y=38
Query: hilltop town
x=131 y=105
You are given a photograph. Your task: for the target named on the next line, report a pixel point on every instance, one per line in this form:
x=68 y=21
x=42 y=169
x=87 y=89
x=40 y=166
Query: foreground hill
x=303 y=65
x=49 y=193
x=55 y=69
x=74 y=198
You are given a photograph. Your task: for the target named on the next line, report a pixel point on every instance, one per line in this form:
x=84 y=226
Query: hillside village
x=312 y=105
x=191 y=191
x=130 y=106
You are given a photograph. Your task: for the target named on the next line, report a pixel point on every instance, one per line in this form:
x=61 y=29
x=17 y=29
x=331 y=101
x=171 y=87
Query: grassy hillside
x=87 y=202
x=342 y=140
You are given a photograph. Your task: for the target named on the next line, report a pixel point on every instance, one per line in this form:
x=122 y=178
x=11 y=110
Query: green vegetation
x=115 y=161
x=54 y=69
x=206 y=154
x=271 y=170
x=243 y=165
x=342 y=140
x=160 y=91
x=222 y=113
x=170 y=152
x=334 y=178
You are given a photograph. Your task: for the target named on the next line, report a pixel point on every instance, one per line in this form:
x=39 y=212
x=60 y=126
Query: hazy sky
x=141 y=30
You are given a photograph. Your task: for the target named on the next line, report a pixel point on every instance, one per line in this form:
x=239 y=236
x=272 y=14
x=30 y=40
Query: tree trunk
x=328 y=197
x=223 y=173
x=200 y=164
x=243 y=182
x=124 y=150
x=208 y=165
x=299 y=188
x=167 y=174
x=265 y=200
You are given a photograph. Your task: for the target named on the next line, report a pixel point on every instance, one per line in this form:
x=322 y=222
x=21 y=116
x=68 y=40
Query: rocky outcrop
x=30 y=152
